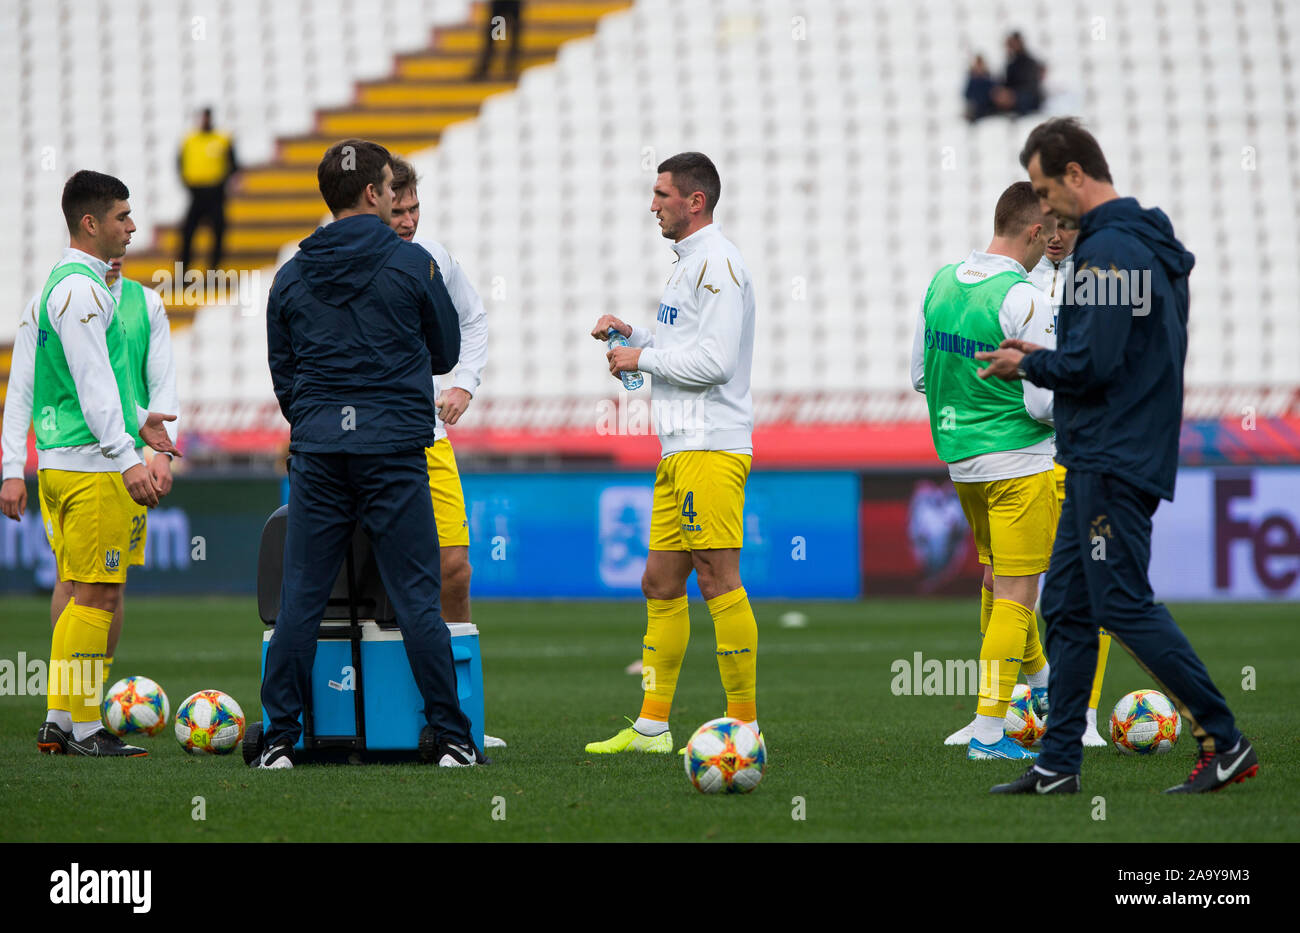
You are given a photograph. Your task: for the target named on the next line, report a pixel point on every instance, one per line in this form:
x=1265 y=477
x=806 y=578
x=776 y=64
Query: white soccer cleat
x=491 y=741
x=1092 y=738
x=962 y=736
x=633 y=668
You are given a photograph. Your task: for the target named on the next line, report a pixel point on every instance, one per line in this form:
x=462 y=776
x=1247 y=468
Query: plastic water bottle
x=631 y=381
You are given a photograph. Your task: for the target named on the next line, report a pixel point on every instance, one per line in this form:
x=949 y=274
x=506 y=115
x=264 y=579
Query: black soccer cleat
x=1215 y=771
x=449 y=754
x=104 y=744
x=1034 y=781
x=51 y=740
x=279 y=755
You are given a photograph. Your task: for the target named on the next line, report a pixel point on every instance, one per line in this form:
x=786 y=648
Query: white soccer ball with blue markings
x=725 y=756
x=1145 y=722
x=135 y=706
x=210 y=723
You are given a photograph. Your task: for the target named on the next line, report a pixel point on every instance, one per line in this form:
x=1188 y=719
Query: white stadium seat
x=844 y=158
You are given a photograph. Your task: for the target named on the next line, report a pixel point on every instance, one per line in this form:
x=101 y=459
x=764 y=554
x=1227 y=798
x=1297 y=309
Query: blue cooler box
x=394 y=709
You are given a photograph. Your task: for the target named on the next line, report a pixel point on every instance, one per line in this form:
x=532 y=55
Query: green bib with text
x=56 y=410
x=970 y=415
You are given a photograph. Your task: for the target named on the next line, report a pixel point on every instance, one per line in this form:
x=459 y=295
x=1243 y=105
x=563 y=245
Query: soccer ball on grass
x=1145 y=722
x=135 y=705
x=210 y=723
x=1022 y=724
x=725 y=756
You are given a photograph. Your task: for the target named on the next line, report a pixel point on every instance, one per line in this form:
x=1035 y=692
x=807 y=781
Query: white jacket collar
x=72 y=254
x=991 y=262
x=690 y=244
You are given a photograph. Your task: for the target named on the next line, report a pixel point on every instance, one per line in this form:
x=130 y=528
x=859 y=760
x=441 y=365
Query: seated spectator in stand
x=1022 y=92
x=979 y=90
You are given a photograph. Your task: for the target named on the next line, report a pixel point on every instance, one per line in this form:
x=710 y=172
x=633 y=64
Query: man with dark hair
x=153 y=376
x=206 y=163
x=94 y=487
x=1118 y=377
x=1022 y=91
x=444 y=477
x=700 y=354
x=997 y=442
x=357 y=322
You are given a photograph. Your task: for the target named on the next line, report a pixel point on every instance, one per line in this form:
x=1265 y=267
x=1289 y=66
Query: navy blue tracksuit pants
x=1105 y=584
x=389 y=494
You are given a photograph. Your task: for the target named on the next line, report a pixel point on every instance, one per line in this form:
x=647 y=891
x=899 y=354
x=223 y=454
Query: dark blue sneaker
x=1034 y=781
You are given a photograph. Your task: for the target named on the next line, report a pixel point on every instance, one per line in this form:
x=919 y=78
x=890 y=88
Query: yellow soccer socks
x=668 y=629
x=986 y=609
x=737 y=637
x=1035 y=661
x=1000 y=658
x=59 y=710
x=1103 y=652
x=85 y=645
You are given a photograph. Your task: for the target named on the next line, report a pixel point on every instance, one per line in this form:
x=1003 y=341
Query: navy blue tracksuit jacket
x=358 y=322
x=1117 y=374
x=359 y=318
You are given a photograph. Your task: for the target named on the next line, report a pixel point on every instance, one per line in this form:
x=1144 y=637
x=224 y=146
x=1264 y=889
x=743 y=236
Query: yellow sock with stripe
x=1035 y=663
x=668 y=629
x=85 y=645
x=1000 y=659
x=1103 y=652
x=737 y=634
x=56 y=699
x=986 y=609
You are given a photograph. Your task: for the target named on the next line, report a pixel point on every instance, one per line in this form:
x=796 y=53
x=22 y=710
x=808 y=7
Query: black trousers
x=509 y=11
x=1098 y=578
x=206 y=204
x=389 y=495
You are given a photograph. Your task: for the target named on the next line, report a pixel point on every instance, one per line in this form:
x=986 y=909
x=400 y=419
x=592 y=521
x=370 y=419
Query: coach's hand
x=1002 y=363
x=160 y=468
x=601 y=330
x=139 y=485
x=13 y=498
x=623 y=360
x=452 y=404
x=154 y=434
x=1024 y=346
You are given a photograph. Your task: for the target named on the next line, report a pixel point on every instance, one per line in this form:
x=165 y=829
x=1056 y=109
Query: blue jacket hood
x=1151 y=226
x=339 y=260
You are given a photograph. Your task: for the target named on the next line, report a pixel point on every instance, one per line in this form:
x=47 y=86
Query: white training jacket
x=473 y=324
x=160 y=377
x=80 y=311
x=1026 y=314
x=1050 y=277
x=701 y=349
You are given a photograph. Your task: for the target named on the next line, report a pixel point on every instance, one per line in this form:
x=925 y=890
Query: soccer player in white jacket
x=444 y=478
x=157 y=375
x=92 y=481
x=998 y=450
x=699 y=355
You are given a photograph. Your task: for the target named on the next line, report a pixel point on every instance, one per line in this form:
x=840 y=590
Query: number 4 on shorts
x=688 y=508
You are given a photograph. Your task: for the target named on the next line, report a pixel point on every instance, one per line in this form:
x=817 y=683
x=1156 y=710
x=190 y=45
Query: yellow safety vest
x=205 y=159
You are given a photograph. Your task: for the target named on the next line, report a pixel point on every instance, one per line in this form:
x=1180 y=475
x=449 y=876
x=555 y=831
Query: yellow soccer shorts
x=448 y=497
x=94 y=527
x=699 y=501
x=1058 y=472
x=1014 y=521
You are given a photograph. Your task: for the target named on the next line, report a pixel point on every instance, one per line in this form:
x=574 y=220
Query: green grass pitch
x=860 y=763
